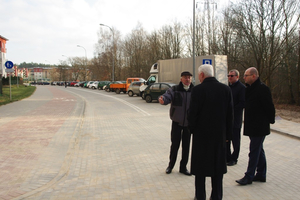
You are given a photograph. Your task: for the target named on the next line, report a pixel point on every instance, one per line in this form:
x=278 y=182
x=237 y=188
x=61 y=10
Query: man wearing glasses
x=238 y=95
x=259 y=113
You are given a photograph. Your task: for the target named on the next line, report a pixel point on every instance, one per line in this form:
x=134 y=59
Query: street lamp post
x=85 y=59
x=66 y=57
x=194 y=62
x=113 y=63
x=84 y=50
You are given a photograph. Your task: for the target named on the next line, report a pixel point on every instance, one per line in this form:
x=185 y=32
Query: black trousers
x=257 y=158
x=236 y=143
x=216 y=184
x=179 y=133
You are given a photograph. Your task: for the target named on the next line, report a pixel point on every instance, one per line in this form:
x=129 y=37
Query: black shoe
x=231 y=163
x=168 y=170
x=259 y=178
x=244 y=181
x=185 y=172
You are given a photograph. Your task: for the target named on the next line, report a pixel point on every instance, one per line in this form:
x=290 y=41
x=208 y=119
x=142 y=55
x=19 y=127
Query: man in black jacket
x=238 y=95
x=259 y=113
x=210 y=120
x=179 y=97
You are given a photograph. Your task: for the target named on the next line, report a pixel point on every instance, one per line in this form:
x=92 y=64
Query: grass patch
x=17 y=93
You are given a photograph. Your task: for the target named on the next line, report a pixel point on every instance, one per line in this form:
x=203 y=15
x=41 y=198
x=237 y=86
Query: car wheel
x=118 y=91
x=130 y=93
x=148 y=99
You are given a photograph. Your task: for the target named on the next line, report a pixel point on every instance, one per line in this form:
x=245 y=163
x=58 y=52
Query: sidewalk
x=286 y=127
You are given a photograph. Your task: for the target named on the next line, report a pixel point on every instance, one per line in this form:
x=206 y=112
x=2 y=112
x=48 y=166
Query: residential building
x=2 y=56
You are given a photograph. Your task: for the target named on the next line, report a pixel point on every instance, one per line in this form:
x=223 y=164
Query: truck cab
x=153 y=78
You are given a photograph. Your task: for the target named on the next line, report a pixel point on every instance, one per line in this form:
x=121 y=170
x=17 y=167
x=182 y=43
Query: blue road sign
x=9 y=64
x=207 y=62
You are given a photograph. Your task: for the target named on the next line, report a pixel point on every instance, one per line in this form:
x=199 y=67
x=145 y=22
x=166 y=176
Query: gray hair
x=237 y=73
x=206 y=69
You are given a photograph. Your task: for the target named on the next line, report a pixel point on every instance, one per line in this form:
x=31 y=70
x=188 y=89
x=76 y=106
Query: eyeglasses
x=247 y=75
x=231 y=76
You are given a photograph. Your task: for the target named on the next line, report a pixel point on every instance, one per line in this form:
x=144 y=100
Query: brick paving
x=89 y=144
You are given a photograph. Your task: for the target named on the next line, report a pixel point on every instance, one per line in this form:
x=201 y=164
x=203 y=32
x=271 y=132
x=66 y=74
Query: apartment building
x=2 y=56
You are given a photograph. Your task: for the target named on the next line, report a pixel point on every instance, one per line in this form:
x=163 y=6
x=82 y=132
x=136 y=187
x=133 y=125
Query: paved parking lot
x=75 y=143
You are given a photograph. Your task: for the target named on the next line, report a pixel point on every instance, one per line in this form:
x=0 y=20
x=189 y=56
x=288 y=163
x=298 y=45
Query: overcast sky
x=41 y=31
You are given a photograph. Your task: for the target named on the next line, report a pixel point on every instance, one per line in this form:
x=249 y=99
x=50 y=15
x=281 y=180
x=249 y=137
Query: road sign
x=9 y=64
x=207 y=62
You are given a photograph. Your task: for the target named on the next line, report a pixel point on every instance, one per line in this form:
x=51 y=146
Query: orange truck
x=123 y=87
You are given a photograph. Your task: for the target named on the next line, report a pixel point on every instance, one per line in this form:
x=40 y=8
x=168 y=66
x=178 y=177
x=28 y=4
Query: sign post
x=9 y=65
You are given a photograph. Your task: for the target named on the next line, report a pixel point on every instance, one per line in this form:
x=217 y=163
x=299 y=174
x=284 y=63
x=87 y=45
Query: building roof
x=3 y=38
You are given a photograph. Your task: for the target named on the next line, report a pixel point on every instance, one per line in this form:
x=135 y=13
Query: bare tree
x=171 y=41
x=135 y=50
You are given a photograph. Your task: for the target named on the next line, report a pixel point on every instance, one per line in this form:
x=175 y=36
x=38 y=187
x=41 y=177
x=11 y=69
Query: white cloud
x=43 y=30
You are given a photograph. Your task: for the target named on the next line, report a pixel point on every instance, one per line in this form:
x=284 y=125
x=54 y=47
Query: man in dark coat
x=259 y=113
x=179 y=97
x=238 y=95
x=210 y=120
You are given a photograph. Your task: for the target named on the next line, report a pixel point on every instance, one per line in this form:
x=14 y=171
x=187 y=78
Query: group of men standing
x=212 y=112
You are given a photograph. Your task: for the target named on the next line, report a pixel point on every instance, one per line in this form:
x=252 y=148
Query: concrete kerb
x=285 y=127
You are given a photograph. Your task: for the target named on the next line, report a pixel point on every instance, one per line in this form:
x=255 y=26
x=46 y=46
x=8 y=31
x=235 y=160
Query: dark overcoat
x=259 y=110
x=210 y=120
x=238 y=95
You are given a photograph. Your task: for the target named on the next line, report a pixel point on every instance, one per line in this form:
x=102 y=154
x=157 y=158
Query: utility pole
x=194 y=62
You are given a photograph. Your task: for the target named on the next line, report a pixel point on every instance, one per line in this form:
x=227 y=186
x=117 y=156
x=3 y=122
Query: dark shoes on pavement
x=259 y=178
x=231 y=163
x=168 y=170
x=244 y=181
x=185 y=172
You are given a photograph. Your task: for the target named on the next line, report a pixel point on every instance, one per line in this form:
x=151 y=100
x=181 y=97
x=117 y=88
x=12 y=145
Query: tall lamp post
x=85 y=58
x=66 y=57
x=113 y=63
x=194 y=60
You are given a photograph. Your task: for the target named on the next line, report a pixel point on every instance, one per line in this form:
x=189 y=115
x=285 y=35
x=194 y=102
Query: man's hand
x=161 y=100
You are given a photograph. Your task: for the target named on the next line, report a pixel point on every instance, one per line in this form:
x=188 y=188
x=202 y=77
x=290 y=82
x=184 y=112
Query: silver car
x=134 y=88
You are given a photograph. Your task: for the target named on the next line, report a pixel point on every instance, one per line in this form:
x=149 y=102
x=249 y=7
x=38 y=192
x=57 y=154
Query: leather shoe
x=259 y=179
x=231 y=163
x=168 y=170
x=185 y=172
x=244 y=181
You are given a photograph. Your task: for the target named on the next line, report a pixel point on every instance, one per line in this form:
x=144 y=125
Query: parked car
x=152 y=92
x=73 y=83
x=78 y=83
x=94 y=85
x=82 y=83
x=87 y=84
x=134 y=88
x=108 y=89
x=101 y=84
